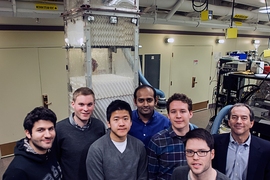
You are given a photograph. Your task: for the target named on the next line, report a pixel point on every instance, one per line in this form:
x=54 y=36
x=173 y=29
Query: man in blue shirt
x=145 y=120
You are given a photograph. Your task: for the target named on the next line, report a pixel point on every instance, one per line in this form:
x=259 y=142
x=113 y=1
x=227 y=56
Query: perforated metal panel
x=104 y=33
x=129 y=4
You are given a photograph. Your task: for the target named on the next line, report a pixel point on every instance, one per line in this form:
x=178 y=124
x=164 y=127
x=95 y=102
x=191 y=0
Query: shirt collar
x=247 y=143
x=73 y=123
x=152 y=117
x=173 y=134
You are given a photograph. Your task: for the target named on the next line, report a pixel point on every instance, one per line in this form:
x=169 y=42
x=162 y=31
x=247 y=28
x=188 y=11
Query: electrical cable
x=232 y=13
x=249 y=94
x=194 y=6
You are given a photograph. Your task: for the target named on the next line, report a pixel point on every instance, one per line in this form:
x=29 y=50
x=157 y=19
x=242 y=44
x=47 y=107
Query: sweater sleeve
x=15 y=174
x=142 y=166
x=94 y=165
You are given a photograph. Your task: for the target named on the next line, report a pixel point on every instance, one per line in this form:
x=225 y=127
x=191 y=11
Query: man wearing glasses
x=199 y=150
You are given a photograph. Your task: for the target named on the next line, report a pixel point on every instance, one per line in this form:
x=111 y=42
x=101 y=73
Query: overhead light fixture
x=134 y=21
x=140 y=46
x=90 y=18
x=220 y=41
x=255 y=41
x=113 y=20
x=169 y=40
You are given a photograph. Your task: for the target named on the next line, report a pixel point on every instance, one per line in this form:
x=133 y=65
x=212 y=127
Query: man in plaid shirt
x=166 y=148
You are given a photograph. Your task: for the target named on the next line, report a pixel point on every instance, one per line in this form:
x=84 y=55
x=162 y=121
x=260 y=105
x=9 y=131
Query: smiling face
x=199 y=165
x=42 y=137
x=240 y=122
x=145 y=102
x=83 y=108
x=120 y=123
x=179 y=116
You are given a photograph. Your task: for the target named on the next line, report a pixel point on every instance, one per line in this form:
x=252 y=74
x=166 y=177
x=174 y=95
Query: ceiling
x=168 y=12
x=181 y=12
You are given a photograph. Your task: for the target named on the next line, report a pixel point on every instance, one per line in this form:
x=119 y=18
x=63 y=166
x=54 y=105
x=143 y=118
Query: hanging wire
x=232 y=13
x=205 y=4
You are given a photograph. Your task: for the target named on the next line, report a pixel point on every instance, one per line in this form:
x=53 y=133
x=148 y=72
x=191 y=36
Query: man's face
x=179 y=115
x=197 y=164
x=83 y=107
x=120 y=123
x=240 y=121
x=145 y=101
x=42 y=137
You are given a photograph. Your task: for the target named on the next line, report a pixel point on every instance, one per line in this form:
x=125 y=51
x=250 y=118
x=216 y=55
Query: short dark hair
x=142 y=87
x=38 y=113
x=179 y=97
x=251 y=113
x=118 y=105
x=85 y=91
x=202 y=134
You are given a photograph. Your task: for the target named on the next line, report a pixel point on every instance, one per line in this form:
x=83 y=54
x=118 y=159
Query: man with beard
x=117 y=155
x=33 y=156
x=76 y=133
x=199 y=145
x=145 y=120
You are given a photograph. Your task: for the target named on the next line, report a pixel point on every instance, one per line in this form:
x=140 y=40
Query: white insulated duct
x=204 y=24
x=25 y=9
x=186 y=6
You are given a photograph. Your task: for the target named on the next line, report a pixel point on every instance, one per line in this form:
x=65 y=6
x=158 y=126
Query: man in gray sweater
x=117 y=151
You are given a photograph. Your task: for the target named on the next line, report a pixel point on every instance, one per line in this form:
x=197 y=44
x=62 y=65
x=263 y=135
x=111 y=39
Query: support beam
x=174 y=9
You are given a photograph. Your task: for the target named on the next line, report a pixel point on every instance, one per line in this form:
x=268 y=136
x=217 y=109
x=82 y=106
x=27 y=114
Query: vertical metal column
x=88 y=57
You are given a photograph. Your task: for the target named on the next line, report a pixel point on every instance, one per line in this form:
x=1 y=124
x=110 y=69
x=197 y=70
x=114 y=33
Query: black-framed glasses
x=200 y=153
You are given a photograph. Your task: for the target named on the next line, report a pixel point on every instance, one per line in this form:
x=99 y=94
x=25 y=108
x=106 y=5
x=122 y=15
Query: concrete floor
x=200 y=118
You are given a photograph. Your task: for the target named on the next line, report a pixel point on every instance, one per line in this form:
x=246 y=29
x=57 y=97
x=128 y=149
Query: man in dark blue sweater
x=76 y=133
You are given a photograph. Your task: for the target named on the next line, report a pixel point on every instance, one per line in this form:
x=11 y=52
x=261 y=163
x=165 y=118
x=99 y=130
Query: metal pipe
x=175 y=8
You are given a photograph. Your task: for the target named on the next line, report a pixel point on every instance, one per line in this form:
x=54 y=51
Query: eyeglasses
x=201 y=153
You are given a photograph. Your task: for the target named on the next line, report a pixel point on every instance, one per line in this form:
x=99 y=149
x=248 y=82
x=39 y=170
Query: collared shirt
x=144 y=131
x=165 y=152
x=73 y=123
x=237 y=159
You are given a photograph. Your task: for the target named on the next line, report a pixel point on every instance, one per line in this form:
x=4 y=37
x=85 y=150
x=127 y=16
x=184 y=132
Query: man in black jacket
x=33 y=158
x=239 y=154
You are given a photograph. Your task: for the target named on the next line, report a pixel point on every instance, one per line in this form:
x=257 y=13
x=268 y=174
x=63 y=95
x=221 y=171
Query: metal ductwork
x=204 y=24
x=155 y=12
x=31 y=9
x=187 y=7
x=166 y=18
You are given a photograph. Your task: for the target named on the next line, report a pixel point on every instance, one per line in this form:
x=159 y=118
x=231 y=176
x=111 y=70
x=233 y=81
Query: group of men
x=140 y=144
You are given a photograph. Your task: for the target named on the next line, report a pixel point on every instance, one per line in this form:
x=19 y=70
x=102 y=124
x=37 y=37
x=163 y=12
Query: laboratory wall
x=33 y=64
